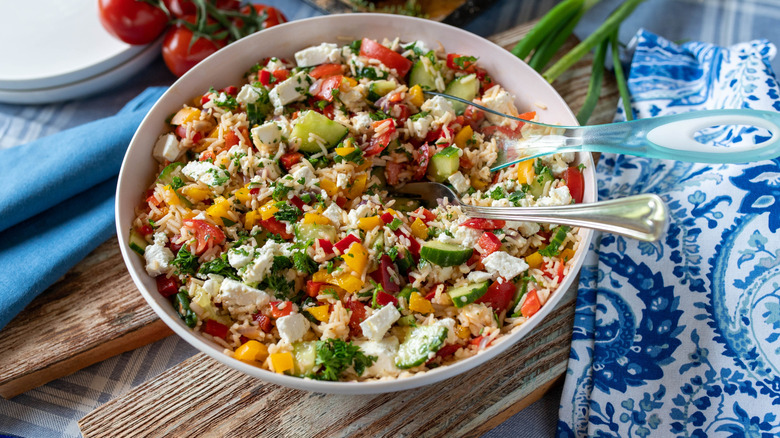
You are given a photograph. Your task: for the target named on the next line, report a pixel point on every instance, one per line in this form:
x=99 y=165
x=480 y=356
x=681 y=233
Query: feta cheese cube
x=437 y=106
x=292 y=327
x=212 y=285
x=304 y=173
x=375 y=326
x=325 y=52
x=291 y=90
x=241 y=256
x=167 y=148
x=452 y=337
x=157 y=256
x=525 y=228
x=275 y=64
x=505 y=265
x=479 y=276
x=334 y=213
x=236 y=294
x=416 y=44
x=255 y=271
x=385 y=351
x=342 y=180
x=459 y=182
x=248 y=95
x=268 y=133
x=500 y=100
x=207 y=173
x=361 y=121
x=556 y=196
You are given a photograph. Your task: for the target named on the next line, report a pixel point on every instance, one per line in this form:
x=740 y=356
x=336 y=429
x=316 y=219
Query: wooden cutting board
x=95 y=312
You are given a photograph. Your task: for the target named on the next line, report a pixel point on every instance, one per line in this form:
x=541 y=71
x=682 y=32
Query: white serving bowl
x=227 y=67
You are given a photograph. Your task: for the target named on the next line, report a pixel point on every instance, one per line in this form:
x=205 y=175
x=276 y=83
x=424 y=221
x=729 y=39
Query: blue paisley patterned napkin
x=682 y=337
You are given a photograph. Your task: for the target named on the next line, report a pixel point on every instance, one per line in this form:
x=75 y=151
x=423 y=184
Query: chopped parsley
x=280 y=263
x=287 y=212
x=303 y=263
x=355 y=156
x=280 y=191
x=186 y=262
x=378 y=115
x=219 y=266
x=554 y=247
x=419 y=115
x=372 y=73
x=498 y=193
x=464 y=62
x=334 y=356
x=176 y=183
x=218 y=179
x=283 y=289
x=227 y=103
x=395 y=224
x=355 y=46
x=515 y=197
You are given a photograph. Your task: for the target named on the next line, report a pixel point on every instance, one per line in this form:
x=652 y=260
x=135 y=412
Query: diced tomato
x=264 y=77
x=167 y=286
x=290 y=159
x=432 y=136
x=205 y=99
x=484 y=224
x=499 y=295
x=465 y=65
x=298 y=202
x=326 y=70
x=243 y=339
x=465 y=162
x=216 y=329
x=145 y=229
x=206 y=234
x=231 y=90
x=263 y=322
x=344 y=244
x=400 y=112
x=485 y=81
x=427 y=214
x=545 y=235
x=386 y=280
x=325 y=89
x=372 y=49
x=549 y=273
x=379 y=143
x=207 y=155
x=281 y=74
x=231 y=139
x=489 y=243
x=423 y=157
x=175 y=247
x=487 y=131
x=393 y=172
x=473 y=116
x=476 y=261
x=445 y=352
x=181 y=131
x=281 y=308
x=431 y=295
x=530 y=115
x=313 y=288
x=414 y=245
x=384 y=298
x=275 y=226
x=254 y=190
x=477 y=340
x=387 y=217
x=531 y=305
x=341 y=201
x=575 y=182
x=357 y=316
x=325 y=245
x=329 y=111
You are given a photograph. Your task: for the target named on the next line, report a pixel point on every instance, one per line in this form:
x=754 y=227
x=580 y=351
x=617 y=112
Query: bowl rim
x=365 y=387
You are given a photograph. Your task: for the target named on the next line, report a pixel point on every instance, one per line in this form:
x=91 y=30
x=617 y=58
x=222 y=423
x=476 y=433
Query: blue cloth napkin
x=57 y=201
x=682 y=337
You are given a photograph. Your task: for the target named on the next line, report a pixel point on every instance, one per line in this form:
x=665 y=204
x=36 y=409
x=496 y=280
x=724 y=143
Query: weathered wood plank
x=201 y=397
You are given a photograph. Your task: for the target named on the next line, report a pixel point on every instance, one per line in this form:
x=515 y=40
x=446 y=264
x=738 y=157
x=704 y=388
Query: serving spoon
x=667 y=137
x=641 y=217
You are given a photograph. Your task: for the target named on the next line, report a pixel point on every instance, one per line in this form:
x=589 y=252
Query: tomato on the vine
x=273 y=16
x=134 y=22
x=179 y=51
x=182 y=8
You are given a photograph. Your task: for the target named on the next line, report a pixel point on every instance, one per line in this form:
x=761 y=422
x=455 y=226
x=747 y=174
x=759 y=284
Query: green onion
x=561 y=13
x=620 y=77
x=544 y=53
x=594 y=87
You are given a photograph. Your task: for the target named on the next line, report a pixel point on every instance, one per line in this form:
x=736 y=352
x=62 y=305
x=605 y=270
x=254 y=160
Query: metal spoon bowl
x=641 y=217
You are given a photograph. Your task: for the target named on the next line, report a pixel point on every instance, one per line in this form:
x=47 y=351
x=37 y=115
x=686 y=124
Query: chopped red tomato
x=281 y=74
x=145 y=229
x=264 y=77
x=575 y=182
x=386 y=217
x=386 y=266
x=181 y=131
x=290 y=159
x=531 y=305
x=326 y=70
x=175 y=247
x=216 y=329
x=489 y=243
x=465 y=162
x=445 y=352
x=231 y=139
x=263 y=322
x=325 y=245
x=357 y=316
x=427 y=214
x=476 y=261
x=313 y=288
x=281 y=308
x=473 y=116
x=231 y=90
x=275 y=226
x=393 y=172
x=384 y=298
x=400 y=112
x=460 y=62
x=431 y=295
x=414 y=245
x=344 y=244
x=298 y=202
x=499 y=295
x=167 y=286
x=423 y=156
x=207 y=155
x=432 y=136
x=549 y=273
x=477 y=340
x=380 y=142
x=484 y=224
x=325 y=89
x=205 y=233
x=372 y=49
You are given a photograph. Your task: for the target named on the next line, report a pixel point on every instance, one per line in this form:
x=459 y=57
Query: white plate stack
x=55 y=50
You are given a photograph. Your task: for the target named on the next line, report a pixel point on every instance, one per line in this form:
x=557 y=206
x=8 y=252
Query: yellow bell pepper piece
x=282 y=362
x=315 y=218
x=322 y=276
x=251 y=219
x=419 y=304
x=267 y=211
x=463 y=332
x=534 y=260
x=329 y=186
x=170 y=197
x=348 y=282
x=349 y=82
x=567 y=254
x=196 y=193
x=525 y=172
x=356 y=258
x=344 y=151
x=369 y=223
x=218 y=210
x=243 y=194
x=358 y=186
x=478 y=183
x=463 y=136
x=184 y=115
x=419 y=229
x=416 y=96
x=391 y=211
x=214 y=133
x=251 y=352
x=320 y=313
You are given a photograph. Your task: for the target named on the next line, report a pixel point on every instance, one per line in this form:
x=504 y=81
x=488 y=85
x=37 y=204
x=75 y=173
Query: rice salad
x=273 y=229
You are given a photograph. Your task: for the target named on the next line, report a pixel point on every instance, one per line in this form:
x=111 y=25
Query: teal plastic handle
x=665 y=137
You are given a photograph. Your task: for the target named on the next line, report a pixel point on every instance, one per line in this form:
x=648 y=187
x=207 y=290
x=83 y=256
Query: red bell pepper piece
x=357 y=316
x=385 y=266
x=499 y=295
x=386 y=218
x=489 y=243
x=575 y=182
x=216 y=329
x=384 y=298
x=290 y=159
x=313 y=288
x=167 y=286
x=264 y=77
x=278 y=311
x=263 y=322
x=298 y=202
x=275 y=226
x=344 y=244
x=531 y=305
x=484 y=224
x=325 y=245
x=427 y=214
